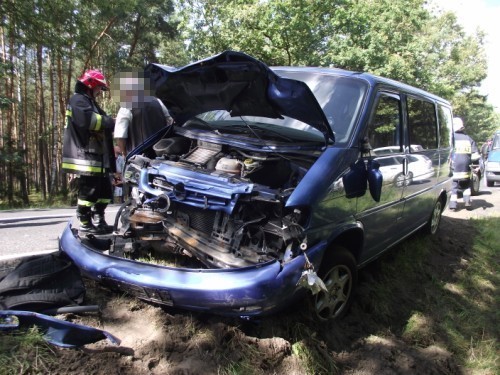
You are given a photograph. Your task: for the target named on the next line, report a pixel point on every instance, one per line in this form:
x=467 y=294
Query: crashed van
x=266 y=189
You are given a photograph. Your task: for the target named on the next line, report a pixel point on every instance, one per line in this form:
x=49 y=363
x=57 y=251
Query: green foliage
x=400 y=40
x=284 y=32
x=479 y=118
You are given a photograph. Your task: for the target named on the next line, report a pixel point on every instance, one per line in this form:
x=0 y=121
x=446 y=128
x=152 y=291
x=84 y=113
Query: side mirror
x=375 y=179
x=355 y=181
x=360 y=174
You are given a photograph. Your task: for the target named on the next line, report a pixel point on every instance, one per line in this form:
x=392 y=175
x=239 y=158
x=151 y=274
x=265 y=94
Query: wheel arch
x=443 y=196
x=351 y=239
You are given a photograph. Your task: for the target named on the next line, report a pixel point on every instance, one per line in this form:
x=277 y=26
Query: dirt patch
x=158 y=340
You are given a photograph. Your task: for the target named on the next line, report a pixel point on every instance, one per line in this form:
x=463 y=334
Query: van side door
x=422 y=161
x=384 y=133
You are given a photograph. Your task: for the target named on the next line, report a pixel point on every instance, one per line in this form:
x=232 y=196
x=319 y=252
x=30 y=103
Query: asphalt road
x=26 y=232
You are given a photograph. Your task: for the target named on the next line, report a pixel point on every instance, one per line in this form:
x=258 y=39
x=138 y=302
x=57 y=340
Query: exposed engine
x=223 y=206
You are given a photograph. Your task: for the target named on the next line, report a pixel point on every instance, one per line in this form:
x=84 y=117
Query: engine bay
x=210 y=205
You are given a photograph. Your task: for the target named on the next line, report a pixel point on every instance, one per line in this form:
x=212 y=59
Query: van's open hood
x=238 y=83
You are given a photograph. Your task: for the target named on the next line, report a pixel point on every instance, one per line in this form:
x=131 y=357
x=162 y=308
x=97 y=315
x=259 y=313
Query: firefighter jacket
x=464 y=154
x=88 y=137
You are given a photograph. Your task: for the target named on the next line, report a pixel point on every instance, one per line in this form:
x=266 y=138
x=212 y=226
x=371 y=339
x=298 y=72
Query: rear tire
x=339 y=272
x=432 y=225
x=400 y=180
x=409 y=179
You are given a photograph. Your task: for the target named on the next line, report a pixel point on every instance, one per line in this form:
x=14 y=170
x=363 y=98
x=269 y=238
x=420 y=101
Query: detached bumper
x=247 y=291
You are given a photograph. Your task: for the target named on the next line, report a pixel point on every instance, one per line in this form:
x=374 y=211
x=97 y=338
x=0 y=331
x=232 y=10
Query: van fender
x=349 y=235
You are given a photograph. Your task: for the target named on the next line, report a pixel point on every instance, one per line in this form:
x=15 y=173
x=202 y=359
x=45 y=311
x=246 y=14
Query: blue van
x=272 y=185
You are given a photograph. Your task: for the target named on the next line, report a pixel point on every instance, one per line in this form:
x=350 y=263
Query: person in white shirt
x=140 y=114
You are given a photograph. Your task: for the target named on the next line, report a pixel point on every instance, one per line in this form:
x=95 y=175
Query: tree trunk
x=55 y=138
x=3 y=170
x=25 y=128
x=98 y=39
x=41 y=125
x=10 y=131
x=62 y=113
x=22 y=144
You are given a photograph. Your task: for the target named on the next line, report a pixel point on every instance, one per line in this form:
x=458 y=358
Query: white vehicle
x=419 y=169
x=395 y=149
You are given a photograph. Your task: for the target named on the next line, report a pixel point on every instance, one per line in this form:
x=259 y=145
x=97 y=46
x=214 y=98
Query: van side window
x=384 y=128
x=445 y=125
x=422 y=123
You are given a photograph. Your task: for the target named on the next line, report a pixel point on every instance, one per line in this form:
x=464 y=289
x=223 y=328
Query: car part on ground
x=56 y=331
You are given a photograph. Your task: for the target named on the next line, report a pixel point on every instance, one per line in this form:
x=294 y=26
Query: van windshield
x=496 y=142
x=341 y=99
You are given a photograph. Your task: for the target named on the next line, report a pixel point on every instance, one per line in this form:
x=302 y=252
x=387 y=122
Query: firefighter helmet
x=94 y=78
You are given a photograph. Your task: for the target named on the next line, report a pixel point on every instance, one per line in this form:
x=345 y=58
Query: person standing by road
x=140 y=115
x=88 y=151
x=464 y=154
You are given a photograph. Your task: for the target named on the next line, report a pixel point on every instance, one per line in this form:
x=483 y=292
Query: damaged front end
x=221 y=215
x=207 y=233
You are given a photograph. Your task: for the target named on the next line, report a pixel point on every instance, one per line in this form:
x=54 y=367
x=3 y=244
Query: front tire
x=339 y=272
x=489 y=183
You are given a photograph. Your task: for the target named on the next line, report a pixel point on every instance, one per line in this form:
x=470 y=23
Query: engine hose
x=118 y=214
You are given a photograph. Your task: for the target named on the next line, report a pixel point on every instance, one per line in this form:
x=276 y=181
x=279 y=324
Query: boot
x=84 y=217
x=467 y=200
x=99 y=219
x=453 y=202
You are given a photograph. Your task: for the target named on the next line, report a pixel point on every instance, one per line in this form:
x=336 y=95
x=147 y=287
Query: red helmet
x=94 y=78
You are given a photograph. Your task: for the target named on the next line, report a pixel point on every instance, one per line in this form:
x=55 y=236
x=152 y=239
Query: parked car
x=265 y=190
x=396 y=149
x=492 y=167
x=419 y=168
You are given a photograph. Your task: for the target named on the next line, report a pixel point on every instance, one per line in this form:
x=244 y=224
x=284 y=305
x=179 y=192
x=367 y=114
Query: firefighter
x=465 y=153
x=88 y=151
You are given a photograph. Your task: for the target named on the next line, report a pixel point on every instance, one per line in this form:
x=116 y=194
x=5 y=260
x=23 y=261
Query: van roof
x=372 y=79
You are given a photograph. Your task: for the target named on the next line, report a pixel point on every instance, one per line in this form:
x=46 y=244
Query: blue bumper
x=243 y=292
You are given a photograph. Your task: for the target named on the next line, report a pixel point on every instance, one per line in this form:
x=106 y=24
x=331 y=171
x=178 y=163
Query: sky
x=485 y=15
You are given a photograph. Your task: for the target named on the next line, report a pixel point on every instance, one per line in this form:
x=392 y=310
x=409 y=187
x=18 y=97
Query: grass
x=472 y=318
x=456 y=310
x=61 y=200
x=311 y=351
x=25 y=353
